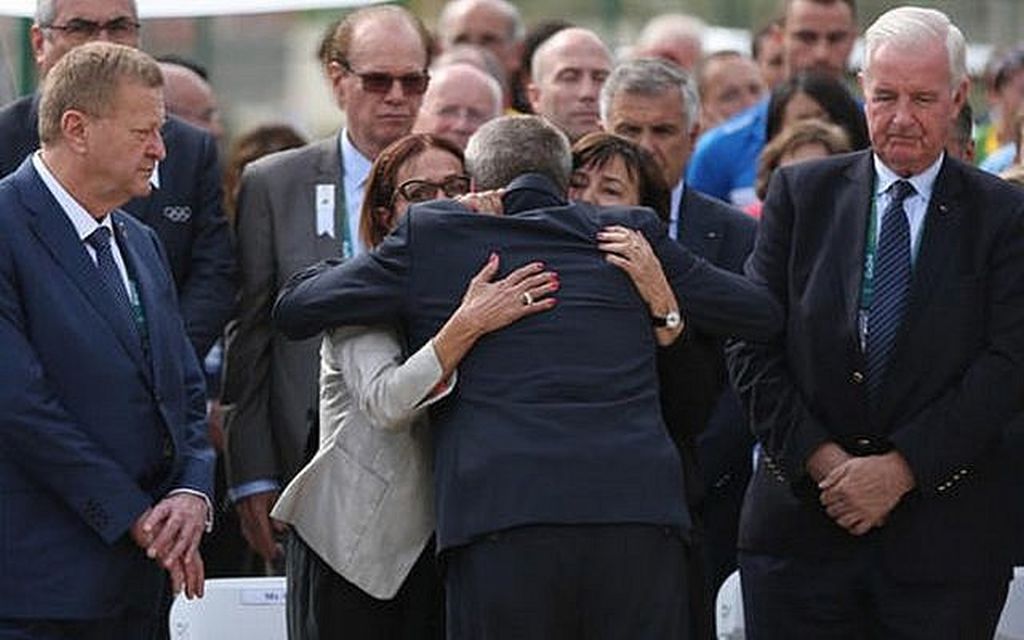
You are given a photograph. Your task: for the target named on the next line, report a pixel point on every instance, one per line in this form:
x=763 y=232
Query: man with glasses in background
x=184 y=206
x=295 y=208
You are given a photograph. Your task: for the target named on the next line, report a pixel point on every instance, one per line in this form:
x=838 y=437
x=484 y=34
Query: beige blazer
x=365 y=501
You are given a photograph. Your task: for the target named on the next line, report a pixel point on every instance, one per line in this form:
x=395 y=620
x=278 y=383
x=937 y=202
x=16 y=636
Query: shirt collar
x=923 y=182
x=355 y=163
x=675 y=202
x=84 y=223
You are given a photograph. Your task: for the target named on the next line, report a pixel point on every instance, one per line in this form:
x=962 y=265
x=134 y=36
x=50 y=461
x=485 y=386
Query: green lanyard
x=867 y=286
x=138 y=314
x=341 y=206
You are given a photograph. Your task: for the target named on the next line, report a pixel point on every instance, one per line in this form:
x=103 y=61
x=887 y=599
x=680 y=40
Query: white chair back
x=1011 y=622
x=729 y=623
x=250 y=608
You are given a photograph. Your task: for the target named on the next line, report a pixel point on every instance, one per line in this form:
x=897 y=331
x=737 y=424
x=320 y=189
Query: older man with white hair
x=458 y=101
x=881 y=506
x=493 y=25
x=675 y=37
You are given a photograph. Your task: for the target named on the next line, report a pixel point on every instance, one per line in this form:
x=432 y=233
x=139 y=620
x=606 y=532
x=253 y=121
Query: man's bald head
x=190 y=97
x=675 y=37
x=567 y=73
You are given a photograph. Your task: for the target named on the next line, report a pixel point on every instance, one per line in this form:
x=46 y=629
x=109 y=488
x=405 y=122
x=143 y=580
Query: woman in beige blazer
x=362 y=509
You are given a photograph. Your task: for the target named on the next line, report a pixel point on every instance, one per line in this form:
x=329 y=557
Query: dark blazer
x=185 y=211
x=271 y=383
x=555 y=419
x=692 y=370
x=954 y=382
x=92 y=432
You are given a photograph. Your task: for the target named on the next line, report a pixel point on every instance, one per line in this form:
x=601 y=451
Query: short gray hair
x=680 y=25
x=517 y=28
x=509 y=146
x=913 y=27
x=650 y=77
x=46 y=11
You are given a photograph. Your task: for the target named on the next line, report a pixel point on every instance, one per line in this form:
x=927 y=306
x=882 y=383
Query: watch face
x=672 y=320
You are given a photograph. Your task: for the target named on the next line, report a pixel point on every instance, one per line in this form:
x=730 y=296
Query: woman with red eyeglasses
x=362 y=510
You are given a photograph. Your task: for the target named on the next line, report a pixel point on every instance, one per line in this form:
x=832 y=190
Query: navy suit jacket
x=185 y=211
x=955 y=380
x=91 y=431
x=555 y=418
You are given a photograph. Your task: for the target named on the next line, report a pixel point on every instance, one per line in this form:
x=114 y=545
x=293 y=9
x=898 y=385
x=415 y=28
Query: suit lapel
x=852 y=208
x=326 y=170
x=57 y=233
x=697 y=230
x=942 y=228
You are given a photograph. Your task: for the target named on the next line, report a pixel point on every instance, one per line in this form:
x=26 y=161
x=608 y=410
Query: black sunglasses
x=80 y=29
x=423 y=190
x=413 y=84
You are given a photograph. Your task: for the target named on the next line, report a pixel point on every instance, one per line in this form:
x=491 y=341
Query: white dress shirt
x=916 y=206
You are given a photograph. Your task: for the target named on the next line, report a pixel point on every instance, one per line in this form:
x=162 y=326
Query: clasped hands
x=169 y=532
x=858 y=493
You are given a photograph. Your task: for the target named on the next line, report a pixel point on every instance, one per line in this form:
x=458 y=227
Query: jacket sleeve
x=196 y=455
x=368 y=360
x=207 y=296
x=719 y=301
x=368 y=289
x=249 y=446
x=45 y=441
x=778 y=415
x=955 y=431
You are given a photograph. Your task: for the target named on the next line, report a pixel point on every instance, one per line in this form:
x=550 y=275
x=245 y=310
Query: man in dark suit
x=655 y=104
x=184 y=208
x=295 y=208
x=880 y=506
x=103 y=452
x=559 y=493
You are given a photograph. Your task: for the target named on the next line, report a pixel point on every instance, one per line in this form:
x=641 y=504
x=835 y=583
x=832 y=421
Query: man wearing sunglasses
x=184 y=206
x=295 y=208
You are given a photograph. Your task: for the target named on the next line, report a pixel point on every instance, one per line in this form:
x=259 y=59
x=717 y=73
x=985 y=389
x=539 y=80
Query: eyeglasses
x=413 y=84
x=79 y=29
x=474 y=117
x=423 y=190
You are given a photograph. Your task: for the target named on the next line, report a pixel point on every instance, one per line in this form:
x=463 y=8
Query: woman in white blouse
x=361 y=511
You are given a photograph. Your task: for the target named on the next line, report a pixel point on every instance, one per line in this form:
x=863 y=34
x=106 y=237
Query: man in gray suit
x=295 y=208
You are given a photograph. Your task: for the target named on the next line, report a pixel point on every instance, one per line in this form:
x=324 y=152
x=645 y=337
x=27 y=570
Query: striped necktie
x=99 y=240
x=892 y=275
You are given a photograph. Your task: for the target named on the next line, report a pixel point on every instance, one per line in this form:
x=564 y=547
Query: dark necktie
x=99 y=240
x=892 y=272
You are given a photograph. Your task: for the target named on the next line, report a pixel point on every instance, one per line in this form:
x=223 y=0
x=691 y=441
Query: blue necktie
x=99 y=240
x=892 y=274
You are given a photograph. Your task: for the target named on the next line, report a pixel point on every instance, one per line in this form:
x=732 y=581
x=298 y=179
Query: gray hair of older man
x=516 y=26
x=650 y=77
x=913 y=27
x=46 y=11
x=510 y=146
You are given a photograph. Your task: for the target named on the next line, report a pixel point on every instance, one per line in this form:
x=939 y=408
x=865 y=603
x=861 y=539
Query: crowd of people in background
x=435 y=410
